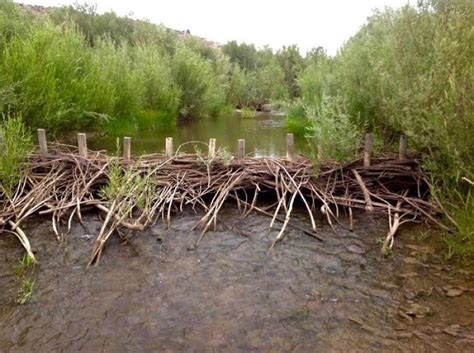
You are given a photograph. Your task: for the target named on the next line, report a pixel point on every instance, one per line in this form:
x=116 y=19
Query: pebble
x=356 y=249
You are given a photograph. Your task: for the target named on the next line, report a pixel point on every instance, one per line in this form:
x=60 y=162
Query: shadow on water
x=265 y=135
x=150 y=293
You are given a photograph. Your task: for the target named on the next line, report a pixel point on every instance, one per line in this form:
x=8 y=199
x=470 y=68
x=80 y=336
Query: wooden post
x=212 y=148
x=42 y=142
x=169 y=148
x=402 y=155
x=127 y=148
x=241 y=149
x=82 y=143
x=290 y=139
x=351 y=220
x=369 y=142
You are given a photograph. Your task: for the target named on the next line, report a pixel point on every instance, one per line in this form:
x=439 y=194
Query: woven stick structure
x=134 y=194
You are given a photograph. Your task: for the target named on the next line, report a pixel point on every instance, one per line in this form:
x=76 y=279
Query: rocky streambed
x=151 y=292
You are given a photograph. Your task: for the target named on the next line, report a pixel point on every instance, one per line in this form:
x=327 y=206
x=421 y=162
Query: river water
x=151 y=293
x=265 y=135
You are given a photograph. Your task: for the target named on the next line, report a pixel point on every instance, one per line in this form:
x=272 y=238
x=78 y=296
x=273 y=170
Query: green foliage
x=292 y=63
x=54 y=84
x=15 y=144
x=146 y=120
x=408 y=70
x=297 y=121
x=118 y=29
x=315 y=80
x=412 y=70
x=248 y=113
x=127 y=190
x=73 y=69
x=24 y=274
x=245 y=55
x=331 y=130
x=460 y=205
x=200 y=91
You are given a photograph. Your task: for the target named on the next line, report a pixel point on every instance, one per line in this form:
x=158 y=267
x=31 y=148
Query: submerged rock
x=454 y=291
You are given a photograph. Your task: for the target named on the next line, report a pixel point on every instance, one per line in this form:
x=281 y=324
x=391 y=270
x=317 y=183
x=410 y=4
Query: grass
x=146 y=120
x=248 y=113
x=296 y=120
x=15 y=144
x=24 y=273
x=460 y=245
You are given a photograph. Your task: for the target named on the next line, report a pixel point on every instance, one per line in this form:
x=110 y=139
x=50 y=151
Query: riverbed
x=151 y=292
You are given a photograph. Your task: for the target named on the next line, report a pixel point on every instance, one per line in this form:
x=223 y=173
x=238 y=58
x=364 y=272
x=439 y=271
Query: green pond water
x=265 y=135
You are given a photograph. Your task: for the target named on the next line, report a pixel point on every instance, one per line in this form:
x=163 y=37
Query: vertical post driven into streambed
x=369 y=143
x=290 y=139
x=212 y=148
x=127 y=149
x=402 y=155
x=43 y=146
x=82 y=144
x=169 y=148
x=241 y=149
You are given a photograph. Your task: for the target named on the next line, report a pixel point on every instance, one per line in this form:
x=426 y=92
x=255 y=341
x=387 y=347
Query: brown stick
x=365 y=191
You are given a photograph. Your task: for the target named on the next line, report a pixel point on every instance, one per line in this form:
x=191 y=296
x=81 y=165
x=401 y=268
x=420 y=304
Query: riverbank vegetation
x=406 y=71
x=409 y=70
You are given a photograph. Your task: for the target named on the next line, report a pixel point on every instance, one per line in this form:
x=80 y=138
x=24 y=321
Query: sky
x=307 y=23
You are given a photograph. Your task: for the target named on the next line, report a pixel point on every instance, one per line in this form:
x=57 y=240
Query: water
x=265 y=135
x=150 y=293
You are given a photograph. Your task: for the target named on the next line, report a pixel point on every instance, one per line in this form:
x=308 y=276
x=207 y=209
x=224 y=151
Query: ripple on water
x=152 y=293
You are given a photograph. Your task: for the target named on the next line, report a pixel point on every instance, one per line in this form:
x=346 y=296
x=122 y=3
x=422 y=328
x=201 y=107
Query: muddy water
x=151 y=293
x=265 y=135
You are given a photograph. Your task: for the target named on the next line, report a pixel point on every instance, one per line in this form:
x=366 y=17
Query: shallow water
x=265 y=135
x=151 y=293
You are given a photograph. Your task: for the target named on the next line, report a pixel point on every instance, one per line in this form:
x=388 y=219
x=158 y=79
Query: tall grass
x=75 y=69
x=145 y=120
x=15 y=144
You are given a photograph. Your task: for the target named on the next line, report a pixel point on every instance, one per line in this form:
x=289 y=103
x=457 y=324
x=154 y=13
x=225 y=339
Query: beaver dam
x=209 y=252
x=63 y=182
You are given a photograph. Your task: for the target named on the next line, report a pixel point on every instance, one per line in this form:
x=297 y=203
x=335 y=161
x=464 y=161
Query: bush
x=331 y=130
x=297 y=121
x=248 y=113
x=15 y=144
x=200 y=93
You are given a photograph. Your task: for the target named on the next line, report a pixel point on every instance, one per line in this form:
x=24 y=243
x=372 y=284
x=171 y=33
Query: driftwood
x=62 y=182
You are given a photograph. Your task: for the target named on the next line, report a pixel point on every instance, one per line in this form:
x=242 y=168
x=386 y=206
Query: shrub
x=15 y=144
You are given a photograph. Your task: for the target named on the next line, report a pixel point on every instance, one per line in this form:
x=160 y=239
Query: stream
x=152 y=293
x=265 y=135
